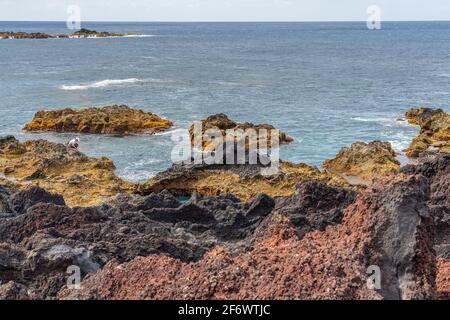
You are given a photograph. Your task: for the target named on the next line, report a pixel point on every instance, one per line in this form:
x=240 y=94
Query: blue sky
x=224 y=10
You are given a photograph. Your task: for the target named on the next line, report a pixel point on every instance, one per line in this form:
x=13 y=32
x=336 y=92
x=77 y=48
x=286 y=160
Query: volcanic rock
x=389 y=227
x=82 y=33
x=52 y=166
x=32 y=35
x=434 y=131
x=365 y=160
x=120 y=120
x=443 y=279
x=315 y=205
x=243 y=181
x=37 y=246
x=86 y=33
x=437 y=169
x=220 y=123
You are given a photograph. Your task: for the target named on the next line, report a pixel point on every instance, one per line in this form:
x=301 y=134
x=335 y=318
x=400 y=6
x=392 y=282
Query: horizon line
x=225 y=21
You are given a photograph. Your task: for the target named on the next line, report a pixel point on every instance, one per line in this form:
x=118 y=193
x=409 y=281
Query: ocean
x=325 y=84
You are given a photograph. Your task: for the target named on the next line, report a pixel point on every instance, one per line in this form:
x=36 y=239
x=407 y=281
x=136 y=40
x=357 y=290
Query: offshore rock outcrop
x=365 y=160
x=388 y=226
x=243 y=181
x=119 y=120
x=220 y=123
x=434 y=131
x=82 y=33
x=81 y=179
x=86 y=33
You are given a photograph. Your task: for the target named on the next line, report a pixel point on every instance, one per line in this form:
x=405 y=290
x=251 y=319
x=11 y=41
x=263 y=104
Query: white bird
x=74 y=143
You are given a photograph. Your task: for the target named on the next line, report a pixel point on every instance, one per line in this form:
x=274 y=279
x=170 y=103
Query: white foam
x=112 y=82
x=110 y=37
x=169 y=132
x=99 y=84
x=385 y=121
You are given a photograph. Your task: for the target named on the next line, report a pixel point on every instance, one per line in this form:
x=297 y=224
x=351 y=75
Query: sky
x=223 y=10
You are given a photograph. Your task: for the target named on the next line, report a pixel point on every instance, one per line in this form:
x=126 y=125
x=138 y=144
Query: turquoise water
x=325 y=84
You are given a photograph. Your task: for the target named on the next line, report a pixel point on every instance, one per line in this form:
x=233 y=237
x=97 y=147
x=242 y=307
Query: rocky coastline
x=82 y=33
x=303 y=233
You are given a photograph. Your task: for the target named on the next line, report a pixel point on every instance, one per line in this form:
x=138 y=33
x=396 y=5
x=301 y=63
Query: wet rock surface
x=434 y=131
x=119 y=120
x=365 y=160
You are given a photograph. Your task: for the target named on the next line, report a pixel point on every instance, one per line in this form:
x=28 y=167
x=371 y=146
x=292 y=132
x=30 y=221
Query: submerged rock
x=220 y=123
x=115 y=119
x=54 y=167
x=434 y=131
x=365 y=160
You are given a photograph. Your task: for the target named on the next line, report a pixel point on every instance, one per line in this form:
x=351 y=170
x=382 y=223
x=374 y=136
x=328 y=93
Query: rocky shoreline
x=82 y=33
x=303 y=233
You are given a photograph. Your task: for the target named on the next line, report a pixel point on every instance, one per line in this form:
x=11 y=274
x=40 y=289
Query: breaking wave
x=109 y=82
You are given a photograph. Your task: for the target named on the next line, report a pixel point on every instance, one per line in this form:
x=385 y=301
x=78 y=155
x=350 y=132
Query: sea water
x=325 y=84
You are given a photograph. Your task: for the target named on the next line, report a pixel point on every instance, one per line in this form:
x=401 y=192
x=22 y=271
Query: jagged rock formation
x=315 y=205
x=81 y=179
x=388 y=226
x=310 y=237
x=443 y=279
x=42 y=239
x=221 y=123
x=437 y=170
x=115 y=119
x=243 y=181
x=365 y=160
x=434 y=131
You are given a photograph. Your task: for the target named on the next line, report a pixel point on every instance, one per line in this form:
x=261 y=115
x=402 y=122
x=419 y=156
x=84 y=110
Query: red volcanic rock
x=443 y=279
x=14 y=291
x=387 y=226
